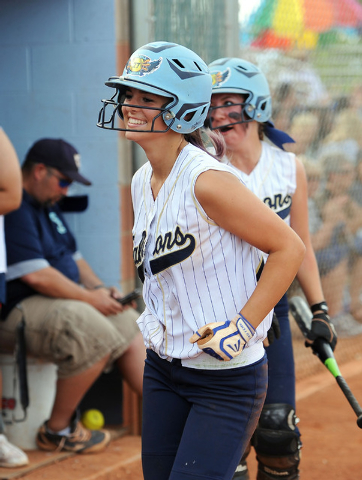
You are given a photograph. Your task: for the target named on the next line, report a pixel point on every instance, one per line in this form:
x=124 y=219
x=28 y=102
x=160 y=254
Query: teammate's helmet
x=170 y=70
x=234 y=75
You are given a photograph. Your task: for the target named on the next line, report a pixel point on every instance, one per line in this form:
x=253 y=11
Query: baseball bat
x=320 y=347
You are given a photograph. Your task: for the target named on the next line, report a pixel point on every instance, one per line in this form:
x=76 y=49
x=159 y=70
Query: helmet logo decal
x=142 y=65
x=219 y=78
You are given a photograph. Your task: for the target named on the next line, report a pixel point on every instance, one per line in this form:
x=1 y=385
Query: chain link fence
x=196 y=30
x=208 y=27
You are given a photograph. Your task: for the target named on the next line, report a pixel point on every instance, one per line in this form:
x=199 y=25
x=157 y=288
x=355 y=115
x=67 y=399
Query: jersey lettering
x=164 y=243
x=280 y=205
x=167 y=242
x=139 y=250
x=139 y=255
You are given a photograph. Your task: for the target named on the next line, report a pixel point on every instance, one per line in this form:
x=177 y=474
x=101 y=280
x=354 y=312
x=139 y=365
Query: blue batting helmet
x=170 y=70
x=235 y=75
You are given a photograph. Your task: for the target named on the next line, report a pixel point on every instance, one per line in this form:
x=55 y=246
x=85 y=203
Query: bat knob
x=359 y=421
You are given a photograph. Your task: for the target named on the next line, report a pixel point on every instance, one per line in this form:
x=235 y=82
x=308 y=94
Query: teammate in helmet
x=241 y=110
x=205 y=320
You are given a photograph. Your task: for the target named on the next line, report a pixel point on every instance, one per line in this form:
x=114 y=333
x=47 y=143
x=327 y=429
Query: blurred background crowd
x=329 y=142
x=310 y=53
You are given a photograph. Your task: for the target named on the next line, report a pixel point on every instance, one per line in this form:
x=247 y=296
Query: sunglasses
x=62 y=182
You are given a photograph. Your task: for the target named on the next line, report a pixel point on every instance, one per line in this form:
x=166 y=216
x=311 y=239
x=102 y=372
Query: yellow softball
x=93 y=419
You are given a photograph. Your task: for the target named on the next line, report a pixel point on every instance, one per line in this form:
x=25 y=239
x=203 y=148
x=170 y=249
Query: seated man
x=71 y=318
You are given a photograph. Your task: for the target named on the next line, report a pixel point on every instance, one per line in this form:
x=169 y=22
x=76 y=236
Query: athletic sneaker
x=10 y=455
x=80 y=440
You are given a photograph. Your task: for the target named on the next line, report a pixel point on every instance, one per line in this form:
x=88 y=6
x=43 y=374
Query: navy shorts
x=197 y=423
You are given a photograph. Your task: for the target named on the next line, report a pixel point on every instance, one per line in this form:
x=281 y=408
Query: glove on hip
x=224 y=340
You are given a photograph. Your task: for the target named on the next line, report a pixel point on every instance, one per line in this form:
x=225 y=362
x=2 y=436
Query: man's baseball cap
x=56 y=153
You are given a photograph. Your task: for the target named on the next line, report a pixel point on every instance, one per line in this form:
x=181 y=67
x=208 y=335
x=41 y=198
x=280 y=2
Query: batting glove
x=224 y=340
x=322 y=328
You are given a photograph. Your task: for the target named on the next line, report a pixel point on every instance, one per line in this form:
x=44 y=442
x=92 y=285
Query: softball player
x=241 y=109
x=197 y=236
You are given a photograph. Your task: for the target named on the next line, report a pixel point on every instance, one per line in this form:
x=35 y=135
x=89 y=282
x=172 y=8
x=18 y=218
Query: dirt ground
x=332 y=441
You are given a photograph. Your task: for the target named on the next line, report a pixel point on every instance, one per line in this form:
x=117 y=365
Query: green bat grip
x=332 y=366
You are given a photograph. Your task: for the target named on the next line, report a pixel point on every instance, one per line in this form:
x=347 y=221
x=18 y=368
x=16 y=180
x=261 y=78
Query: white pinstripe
x=212 y=284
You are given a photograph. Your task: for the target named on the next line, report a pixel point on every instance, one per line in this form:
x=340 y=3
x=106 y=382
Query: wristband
x=245 y=329
x=320 y=306
x=99 y=286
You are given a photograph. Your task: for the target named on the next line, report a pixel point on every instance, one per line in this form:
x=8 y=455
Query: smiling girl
x=197 y=236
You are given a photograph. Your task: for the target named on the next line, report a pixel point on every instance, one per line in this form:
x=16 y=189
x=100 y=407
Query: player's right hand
x=322 y=328
x=273 y=332
x=221 y=340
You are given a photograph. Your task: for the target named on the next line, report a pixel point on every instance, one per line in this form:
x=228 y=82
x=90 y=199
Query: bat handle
x=351 y=399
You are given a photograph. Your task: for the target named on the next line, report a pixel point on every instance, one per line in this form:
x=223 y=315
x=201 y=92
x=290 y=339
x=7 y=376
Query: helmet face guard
x=237 y=76
x=111 y=112
x=245 y=114
x=169 y=70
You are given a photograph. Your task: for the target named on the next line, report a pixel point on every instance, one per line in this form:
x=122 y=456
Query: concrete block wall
x=55 y=56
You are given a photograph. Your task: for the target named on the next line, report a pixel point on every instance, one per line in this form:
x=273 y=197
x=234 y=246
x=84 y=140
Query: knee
x=277 y=444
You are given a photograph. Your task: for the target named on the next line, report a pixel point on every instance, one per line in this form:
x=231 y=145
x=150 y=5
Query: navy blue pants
x=281 y=372
x=196 y=422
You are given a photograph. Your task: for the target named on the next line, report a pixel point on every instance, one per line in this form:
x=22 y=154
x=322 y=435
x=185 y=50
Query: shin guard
x=276 y=443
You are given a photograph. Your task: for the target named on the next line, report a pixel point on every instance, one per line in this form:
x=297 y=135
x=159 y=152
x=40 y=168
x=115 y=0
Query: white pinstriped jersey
x=194 y=271
x=273 y=179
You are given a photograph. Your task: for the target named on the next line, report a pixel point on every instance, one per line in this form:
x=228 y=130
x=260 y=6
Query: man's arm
x=91 y=281
x=52 y=283
x=10 y=178
x=87 y=276
x=28 y=262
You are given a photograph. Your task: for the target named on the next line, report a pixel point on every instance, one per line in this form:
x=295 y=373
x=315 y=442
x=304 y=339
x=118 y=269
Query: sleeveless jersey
x=273 y=179
x=194 y=272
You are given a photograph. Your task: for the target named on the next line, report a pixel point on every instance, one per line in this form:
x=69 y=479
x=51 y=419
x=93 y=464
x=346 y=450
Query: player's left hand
x=223 y=340
x=322 y=328
x=219 y=339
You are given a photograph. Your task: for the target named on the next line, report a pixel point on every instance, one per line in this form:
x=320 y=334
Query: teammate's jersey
x=273 y=179
x=194 y=271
